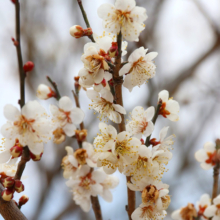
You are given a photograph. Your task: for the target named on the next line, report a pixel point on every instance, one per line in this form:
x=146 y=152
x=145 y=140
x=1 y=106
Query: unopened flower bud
x=7 y=194
x=16 y=151
x=45 y=92
x=81 y=135
x=36 y=157
x=88 y=32
x=76 y=31
x=76 y=78
x=14 y=41
x=23 y=200
x=113 y=51
x=28 y=66
x=19 y=187
x=8 y=182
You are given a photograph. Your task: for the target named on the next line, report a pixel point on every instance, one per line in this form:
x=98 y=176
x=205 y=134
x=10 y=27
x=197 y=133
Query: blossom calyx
x=78 y=32
x=28 y=66
x=23 y=200
x=150 y=194
x=8 y=182
x=45 y=92
x=19 y=187
x=35 y=157
x=81 y=135
x=16 y=150
x=113 y=51
x=7 y=194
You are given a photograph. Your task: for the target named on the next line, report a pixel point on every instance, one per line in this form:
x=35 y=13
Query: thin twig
x=96 y=207
x=55 y=88
x=85 y=18
x=147 y=142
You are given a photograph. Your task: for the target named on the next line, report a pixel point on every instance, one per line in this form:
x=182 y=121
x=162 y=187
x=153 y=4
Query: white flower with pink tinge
x=124 y=16
x=170 y=108
x=30 y=126
x=115 y=151
x=207 y=156
x=105 y=106
x=139 y=68
x=65 y=118
x=87 y=184
x=141 y=123
x=155 y=199
x=202 y=204
x=213 y=210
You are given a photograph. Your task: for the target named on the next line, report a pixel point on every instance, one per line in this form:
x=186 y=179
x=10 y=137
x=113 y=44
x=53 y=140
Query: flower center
x=24 y=124
x=188 y=212
x=121 y=148
x=165 y=201
x=87 y=181
x=163 y=110
x=123 y=17
x=81 y=155
x=143 y=125
x=142 y=162
x=147 y=211
x=59 y=136
x=64 y=116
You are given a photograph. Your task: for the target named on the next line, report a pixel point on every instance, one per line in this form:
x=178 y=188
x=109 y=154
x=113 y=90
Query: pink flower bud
x=7 y=194
x=19 y=187
x=13 y=1
x=8 y=182
x=23 y=200
x=16 y=151
x=36 y=157
x=45 y=92
x=28 y=66
x=76 y=31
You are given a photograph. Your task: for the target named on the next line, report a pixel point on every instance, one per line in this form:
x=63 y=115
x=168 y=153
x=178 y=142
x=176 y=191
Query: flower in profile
x=65 y=118
x=165 y=143
x=202 y=204
x=115 y=151
x=124 y=16
x=207 y=156
x=213 y=210
x=139 y=68
x=45 y=92
x=105 y=106
x=30 y=126
x=141 y=123
x=188 y=212
x=170 y=108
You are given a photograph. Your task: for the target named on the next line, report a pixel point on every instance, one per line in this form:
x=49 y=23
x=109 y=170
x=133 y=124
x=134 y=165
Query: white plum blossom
x=30 y=126
x=86 y=184
x=124 y=16
x=141 y=123
x=105 y=106
x=65 y=118
x=139 y=68
x=45 y=92
x=117 y=151
x=202 y=204
x=207 y=156
x=170 y=108
x=213 y=210
x=110 y=182
x=155 y=199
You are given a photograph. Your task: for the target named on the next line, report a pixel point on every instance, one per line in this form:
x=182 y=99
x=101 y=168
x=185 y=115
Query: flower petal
x=66 y=104
x=11 y=112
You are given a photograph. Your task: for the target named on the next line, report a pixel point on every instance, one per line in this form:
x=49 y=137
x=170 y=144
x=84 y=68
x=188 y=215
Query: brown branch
x=118 y=80
x=55 y=88
x=76 y=97
x=9 y=210
x=85 y=18
x=96 y=207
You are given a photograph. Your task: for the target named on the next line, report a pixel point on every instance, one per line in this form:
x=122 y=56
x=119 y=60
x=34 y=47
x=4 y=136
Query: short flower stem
x=85 y=18
x=216 y=173
x=147 y=142
x=118 y=80
x=55 y=88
